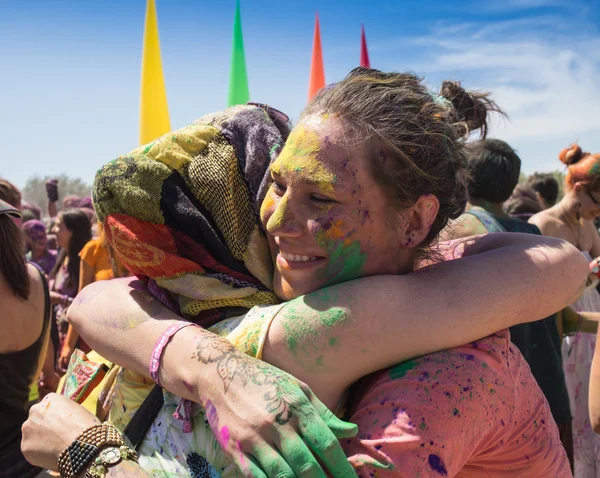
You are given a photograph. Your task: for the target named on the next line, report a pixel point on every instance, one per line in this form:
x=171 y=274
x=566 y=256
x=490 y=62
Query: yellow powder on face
x=267 y=205
x=300 y=157
x=278 y=216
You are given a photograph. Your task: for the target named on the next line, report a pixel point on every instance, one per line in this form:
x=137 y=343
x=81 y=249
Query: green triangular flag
x=238 y=78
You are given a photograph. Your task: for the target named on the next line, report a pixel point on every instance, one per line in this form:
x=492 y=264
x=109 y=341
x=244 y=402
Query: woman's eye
x=321 y=199
x=278 y=188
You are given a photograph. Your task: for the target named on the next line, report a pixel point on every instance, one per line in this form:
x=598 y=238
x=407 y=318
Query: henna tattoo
x=232 y=363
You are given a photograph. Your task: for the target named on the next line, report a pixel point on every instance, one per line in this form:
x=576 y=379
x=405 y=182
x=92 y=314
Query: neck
x=493 y=207
x=568 y=207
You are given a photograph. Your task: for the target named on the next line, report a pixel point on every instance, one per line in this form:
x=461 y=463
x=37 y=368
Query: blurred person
x=24 y=341
x=546 y=188
x=494 y=169
x=522 y=203
x=572 y=219
x=30 y=211
x=73 y=232
x=97 y=263
x=37 y=245
x=10 y=194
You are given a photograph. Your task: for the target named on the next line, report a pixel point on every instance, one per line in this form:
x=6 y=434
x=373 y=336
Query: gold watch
x=108 y=457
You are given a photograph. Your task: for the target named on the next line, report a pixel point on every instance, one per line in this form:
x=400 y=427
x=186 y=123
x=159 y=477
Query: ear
x=418 y=220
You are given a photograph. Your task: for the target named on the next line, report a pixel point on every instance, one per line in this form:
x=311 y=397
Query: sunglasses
x=594 y=200
x=275 y=114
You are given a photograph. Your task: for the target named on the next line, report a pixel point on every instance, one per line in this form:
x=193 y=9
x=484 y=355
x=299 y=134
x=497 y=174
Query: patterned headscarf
x=182 y=213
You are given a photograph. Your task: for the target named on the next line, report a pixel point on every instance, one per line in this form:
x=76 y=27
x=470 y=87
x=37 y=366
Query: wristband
x=162 y=341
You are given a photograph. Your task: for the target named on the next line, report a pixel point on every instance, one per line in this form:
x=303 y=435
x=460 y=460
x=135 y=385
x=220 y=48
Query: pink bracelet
x=160 y=345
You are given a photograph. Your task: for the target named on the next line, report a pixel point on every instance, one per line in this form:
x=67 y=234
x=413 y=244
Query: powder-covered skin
x=325 y=203
x=470 y=411
x=301 y=154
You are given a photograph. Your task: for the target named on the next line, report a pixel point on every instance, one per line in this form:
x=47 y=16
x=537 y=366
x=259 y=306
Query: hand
x=65 y=357
x=48 y=383
x=52 y=426
x=52 y=190
x=268 y=422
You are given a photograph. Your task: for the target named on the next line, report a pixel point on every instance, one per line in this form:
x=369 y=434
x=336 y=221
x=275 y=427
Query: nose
x=284 y=222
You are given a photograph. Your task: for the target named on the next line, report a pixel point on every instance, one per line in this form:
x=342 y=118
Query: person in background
x=73 y=232
x=30 y=211
x=25 y=316
x=10 y=194
x=97 y=263
x=69 y=202
x=494 y=169
x=546 y=188
x=37 y=245
x=572 y=219
x=522 y=203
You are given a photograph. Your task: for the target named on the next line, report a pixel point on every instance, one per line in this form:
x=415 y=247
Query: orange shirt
x=96 y=256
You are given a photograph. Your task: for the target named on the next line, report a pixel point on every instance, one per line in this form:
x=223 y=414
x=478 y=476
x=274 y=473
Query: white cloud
x=546 y=80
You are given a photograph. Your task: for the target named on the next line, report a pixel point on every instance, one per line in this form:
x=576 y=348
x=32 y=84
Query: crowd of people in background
x=519 y=335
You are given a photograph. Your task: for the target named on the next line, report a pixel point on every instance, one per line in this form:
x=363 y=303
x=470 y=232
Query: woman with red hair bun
x=572 y=219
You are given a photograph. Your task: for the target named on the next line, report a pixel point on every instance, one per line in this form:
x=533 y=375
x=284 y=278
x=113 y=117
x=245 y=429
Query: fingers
x=273 y=463
x=339 y=428
x=299 y=457
x=327 y=448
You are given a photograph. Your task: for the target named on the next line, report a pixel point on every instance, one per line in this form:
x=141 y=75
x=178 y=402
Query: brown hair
x=581 y=168
x=415 y=139
x=10 y=193
x=13 y=265
x=79 y=224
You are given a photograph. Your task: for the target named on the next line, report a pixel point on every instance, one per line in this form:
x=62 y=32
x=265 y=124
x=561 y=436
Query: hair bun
x=471 y=107
x=571 y=155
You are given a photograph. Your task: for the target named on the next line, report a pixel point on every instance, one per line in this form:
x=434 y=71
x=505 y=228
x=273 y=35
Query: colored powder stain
x=268 y=204
x=300 y=156
x=437 y=465
x=468 y=356
x=332 y=341
x=224 y=437
x=278 y=217
x=346 y=260
x=400 y=370
x=422 y=426
x=332 y=316
x=319 y=361
x=456 y=412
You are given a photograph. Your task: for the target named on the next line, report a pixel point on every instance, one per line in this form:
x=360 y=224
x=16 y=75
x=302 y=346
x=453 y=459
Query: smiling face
x=327 y=220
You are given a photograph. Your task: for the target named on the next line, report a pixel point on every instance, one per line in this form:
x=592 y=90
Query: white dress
x=577 y=353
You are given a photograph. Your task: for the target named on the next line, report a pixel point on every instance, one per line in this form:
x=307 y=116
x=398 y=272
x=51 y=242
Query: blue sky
x=70 y=69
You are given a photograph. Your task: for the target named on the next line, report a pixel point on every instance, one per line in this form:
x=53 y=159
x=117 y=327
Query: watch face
x=110 y=455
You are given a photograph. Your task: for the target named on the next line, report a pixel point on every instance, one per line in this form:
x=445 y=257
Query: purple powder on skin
x=437 y=465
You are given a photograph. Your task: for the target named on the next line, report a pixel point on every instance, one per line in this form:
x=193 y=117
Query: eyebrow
x=312 y=182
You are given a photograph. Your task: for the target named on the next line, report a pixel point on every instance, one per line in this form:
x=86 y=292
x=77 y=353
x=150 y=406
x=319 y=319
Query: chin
x=286 y=291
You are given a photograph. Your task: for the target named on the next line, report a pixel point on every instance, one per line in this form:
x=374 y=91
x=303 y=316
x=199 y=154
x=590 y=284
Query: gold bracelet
x=86 y=447
x=110 y=456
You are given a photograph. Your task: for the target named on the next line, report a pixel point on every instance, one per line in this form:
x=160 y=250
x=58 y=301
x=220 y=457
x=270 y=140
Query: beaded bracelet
x=162 y=341
x=86 y=447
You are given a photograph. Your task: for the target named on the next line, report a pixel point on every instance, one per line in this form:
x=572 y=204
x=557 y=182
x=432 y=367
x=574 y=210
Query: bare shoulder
x=548 y=223
x=22 y=320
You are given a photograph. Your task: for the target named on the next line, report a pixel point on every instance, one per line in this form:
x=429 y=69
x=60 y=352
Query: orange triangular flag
x=317 y=72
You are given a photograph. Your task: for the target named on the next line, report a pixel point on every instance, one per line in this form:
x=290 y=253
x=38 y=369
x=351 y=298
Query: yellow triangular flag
x=154 y=111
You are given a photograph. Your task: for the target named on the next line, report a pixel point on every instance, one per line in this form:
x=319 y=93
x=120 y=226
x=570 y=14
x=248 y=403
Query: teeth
x=297 y=257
